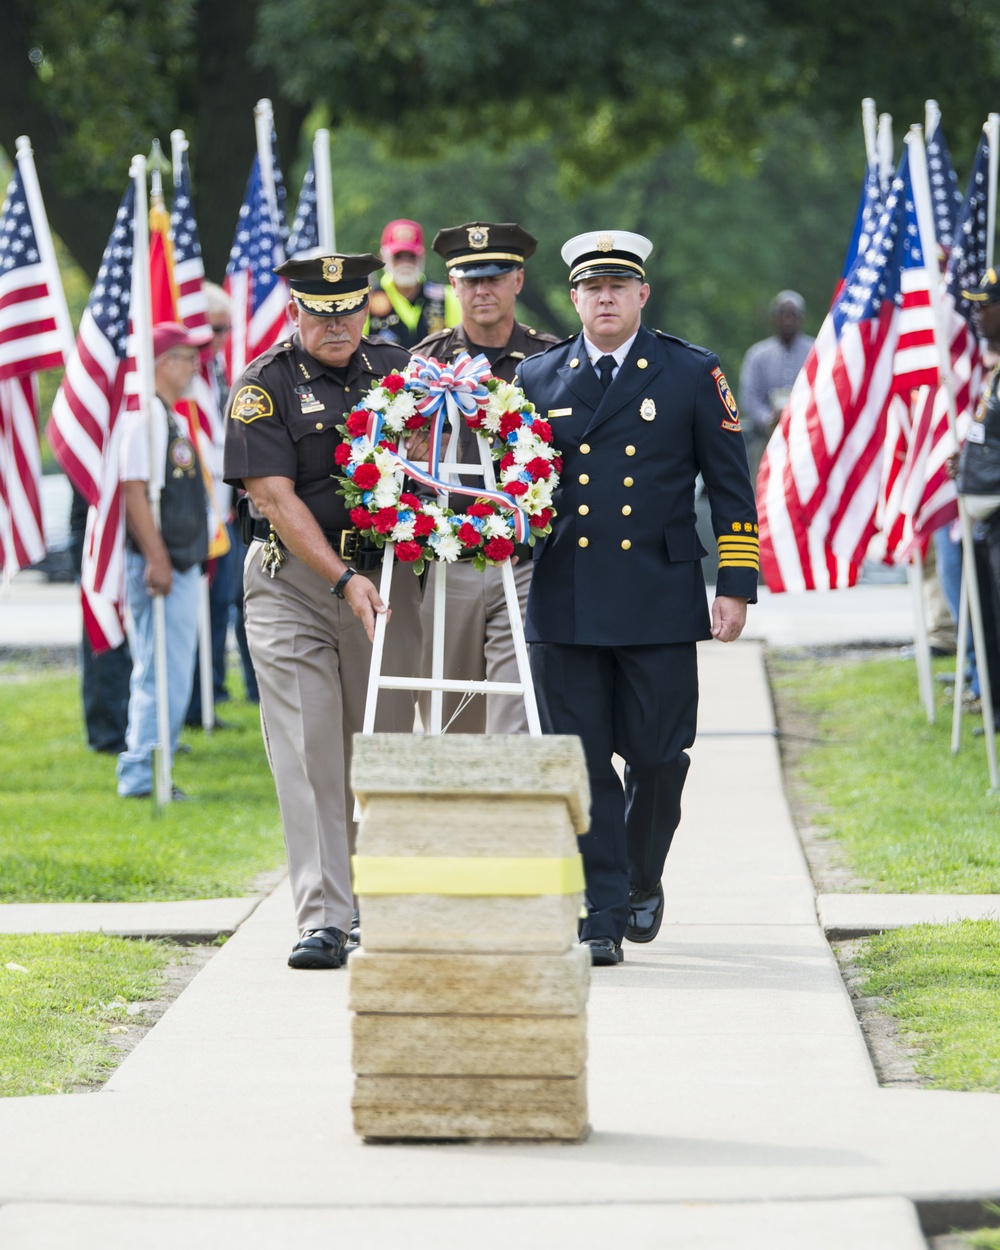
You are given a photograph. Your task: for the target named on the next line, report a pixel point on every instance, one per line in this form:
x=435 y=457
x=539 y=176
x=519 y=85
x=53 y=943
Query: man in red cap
x=164 y=553
x=404 y=307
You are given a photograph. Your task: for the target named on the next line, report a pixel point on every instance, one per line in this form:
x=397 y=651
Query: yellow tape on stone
x=468 y=875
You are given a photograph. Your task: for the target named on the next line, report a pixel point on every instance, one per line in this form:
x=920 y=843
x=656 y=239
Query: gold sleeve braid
x=740 y=551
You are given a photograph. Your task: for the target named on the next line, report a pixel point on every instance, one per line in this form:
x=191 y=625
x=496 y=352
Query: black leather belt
x=347 y=543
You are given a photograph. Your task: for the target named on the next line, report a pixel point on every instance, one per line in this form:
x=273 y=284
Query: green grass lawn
x=942 y=983
x=66 y=836
x=908 y=816
x=63 y=999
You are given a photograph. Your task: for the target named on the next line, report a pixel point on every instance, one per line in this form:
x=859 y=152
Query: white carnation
x=497 y=527
x=377 y=400
x=402 y=532
x=446 y=547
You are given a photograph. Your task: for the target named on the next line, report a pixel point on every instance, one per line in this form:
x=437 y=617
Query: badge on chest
x=307 y=399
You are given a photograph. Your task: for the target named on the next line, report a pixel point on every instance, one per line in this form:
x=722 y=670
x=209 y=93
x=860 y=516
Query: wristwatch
x=345 y=577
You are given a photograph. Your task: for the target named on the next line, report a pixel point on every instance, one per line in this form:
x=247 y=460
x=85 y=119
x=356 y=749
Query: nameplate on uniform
x=977 y=433
x=559 y=412
x=307 y=400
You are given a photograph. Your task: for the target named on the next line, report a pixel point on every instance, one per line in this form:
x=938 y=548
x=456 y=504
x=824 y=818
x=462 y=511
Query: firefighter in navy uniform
x=311 y=588
x=485 y=262
x=404 y=307
x=618 y=599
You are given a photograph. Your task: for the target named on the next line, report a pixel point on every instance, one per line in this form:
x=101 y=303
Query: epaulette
x=673 y=338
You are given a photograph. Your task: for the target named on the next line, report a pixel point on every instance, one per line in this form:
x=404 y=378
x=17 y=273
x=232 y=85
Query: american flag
x=819 y=478
x=865 y=221
x=259 y=298
x=30 y=340
x=280 y=194
x=305 y=227
x=84 y=430
x=924 y=496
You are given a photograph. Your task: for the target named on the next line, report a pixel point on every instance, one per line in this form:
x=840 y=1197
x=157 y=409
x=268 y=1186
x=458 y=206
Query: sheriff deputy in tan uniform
x=310 y=589
x=485 y=262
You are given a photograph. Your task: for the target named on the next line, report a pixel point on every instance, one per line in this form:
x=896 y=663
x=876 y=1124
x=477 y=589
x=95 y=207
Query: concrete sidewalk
x=732 y=1100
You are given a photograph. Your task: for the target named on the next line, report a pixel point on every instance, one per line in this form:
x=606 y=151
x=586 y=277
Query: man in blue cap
x=618 y=602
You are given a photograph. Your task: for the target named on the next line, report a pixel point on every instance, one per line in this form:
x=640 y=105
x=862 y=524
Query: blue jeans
x=135 y=764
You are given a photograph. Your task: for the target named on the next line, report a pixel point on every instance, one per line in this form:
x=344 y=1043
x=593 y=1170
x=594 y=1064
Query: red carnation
x=541 y=519
x=408 y=552
x=469 y=536
x=498 y=549
x=475 y=422
x=361 y=518
x=542 y=429
x=388 y=443
x=480 y=509
x=516 y=488
x=357 y=422
x=539 y=467
x=385 y=519
x=556 y=463
x=366 y=476
x=409 y=501
x=423 y=525
x=415 y=422
x=506 y=460
x=509 y=422
x=393 y=382
x=343 y=454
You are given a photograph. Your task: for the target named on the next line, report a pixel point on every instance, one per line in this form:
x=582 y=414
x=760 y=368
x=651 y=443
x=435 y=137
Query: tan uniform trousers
x=478 y=645
x=312 y=657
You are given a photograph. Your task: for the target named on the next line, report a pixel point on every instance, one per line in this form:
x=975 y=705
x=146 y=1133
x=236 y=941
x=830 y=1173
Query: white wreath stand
x=437 y=683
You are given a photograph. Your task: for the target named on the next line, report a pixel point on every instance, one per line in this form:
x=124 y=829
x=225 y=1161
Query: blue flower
x=406 y=516
x=349 y=469
x=367 y=497
x=512 y=436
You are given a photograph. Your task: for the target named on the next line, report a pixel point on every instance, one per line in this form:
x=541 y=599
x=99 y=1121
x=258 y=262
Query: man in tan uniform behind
x=485 y=262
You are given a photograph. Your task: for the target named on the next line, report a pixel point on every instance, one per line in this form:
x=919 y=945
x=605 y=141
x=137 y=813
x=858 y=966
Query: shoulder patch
x=250 y=403
x=732 y=421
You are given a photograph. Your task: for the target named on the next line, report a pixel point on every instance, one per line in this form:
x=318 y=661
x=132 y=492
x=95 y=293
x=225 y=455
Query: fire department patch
x=250 y=403
x=727 y=397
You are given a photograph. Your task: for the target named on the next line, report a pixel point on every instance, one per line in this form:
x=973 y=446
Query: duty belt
x=347 y=543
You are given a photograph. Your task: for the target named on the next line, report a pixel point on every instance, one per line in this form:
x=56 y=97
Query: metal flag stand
x=437 y=683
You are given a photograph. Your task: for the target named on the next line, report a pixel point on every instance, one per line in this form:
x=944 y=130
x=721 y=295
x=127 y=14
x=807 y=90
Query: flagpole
x=869 y=124
x=932 y=118
x=263 y=116
x=324 y=191
x=43 y=237
x=993 y=138
x=928 y=244
x=883 y=146
x=142 y=330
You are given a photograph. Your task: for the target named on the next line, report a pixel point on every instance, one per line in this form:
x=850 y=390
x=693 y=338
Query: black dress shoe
x=320 y=948
x=354 y=937
x=645 y=914
x=604 y=950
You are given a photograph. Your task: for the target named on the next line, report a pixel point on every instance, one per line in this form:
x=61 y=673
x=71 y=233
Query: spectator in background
x=404 y=307
x=222 y=569
x=104 y=675
x=769 y=369
x=163 y=556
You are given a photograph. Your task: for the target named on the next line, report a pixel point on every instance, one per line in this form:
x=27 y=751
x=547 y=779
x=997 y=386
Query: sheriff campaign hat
x=331 y=285
x=603 y=253
x=987 y=291
x=483 y=248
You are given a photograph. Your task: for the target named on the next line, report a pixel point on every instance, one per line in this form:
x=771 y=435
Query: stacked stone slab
x=469 y=989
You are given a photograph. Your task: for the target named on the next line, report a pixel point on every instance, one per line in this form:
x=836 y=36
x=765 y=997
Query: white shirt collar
x=595 y=353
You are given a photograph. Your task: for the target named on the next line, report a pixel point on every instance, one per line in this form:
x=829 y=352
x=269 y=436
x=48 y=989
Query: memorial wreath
x=430 y=396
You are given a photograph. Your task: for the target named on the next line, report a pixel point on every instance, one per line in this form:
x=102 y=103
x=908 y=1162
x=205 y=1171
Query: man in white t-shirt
x=164 y=553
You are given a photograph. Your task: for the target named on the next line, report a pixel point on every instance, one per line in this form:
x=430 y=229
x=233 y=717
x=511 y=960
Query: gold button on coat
x=584 y=449
x=629 y=481
x=630 y=450
x=626 y=545
x=583 y=509
x=319 y=425
x=584 y=478
x=583 y=542
x=627 y=510
x=641 y=363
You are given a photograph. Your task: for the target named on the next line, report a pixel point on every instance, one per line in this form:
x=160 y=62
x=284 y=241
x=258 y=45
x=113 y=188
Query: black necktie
x=605 y=367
